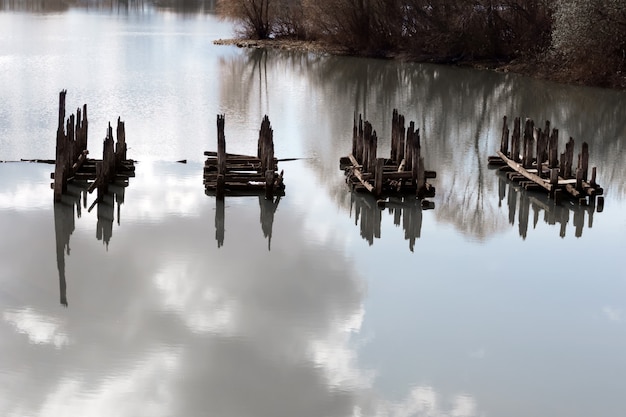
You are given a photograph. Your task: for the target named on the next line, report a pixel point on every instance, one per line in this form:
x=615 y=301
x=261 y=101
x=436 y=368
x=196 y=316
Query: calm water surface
x=162 y=302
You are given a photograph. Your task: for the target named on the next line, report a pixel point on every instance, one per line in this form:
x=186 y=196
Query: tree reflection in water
x=458 y=111
x=135 y=6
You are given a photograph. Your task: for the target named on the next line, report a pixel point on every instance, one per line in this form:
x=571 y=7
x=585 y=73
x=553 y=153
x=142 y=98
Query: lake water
x=161 y=301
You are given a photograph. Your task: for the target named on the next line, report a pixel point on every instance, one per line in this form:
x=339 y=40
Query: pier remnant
x=228 y=173
x=72 y=163
x=533 y=161
x=403 y=172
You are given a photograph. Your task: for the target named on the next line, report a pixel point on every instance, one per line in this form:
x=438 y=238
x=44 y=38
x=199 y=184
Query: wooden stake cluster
x=114 y=165
x=71 y=162
x=243 y=174
x=402 y=172
x=533 y=160
x=71 y=146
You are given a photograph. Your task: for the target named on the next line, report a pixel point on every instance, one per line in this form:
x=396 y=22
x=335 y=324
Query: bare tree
x=255 y=16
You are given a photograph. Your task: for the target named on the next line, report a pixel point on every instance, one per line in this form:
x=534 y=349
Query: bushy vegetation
x=583 y=38
x=589 y=37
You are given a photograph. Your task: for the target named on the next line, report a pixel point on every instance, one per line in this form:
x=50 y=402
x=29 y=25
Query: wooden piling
x=402 y=172
x=539 y=152
x=515 y=141
x=242 y=174
x=378 y=181
x=553 y=151
x=527 y=157
x=584 y=160
x=504 y=139
x=72 y=162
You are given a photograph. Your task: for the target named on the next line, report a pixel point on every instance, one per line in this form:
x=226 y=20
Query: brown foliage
x=255 y=16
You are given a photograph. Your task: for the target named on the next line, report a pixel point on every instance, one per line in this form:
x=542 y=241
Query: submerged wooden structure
x=72 y=162
x=531 y=157
x=236 y=174
x=402 y=173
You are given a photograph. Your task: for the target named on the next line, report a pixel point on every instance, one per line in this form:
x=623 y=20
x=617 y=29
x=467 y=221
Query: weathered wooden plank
x=356 y=171
x=517 y=167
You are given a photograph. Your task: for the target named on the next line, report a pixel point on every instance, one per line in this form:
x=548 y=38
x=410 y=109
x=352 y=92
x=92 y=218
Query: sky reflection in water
x=489 y=304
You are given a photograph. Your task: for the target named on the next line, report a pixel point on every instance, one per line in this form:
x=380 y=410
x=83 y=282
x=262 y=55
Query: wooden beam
x=517 y=167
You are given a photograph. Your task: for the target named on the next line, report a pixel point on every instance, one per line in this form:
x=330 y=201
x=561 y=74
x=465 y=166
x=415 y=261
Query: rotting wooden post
x=355 y=133
x=71 y=140
x=554 y=180
x=592 y=181
x=568 y=159
x=378 y=176
x=515 y=143
x=504 y=140
x=266 y=145
x=528 y=141
x=372 y=157
x=541 y=141
x=553 y=151
x=367 y=136
x=59 y=169
x=267 y=138
x=409 y=152
x=269 y=184
x=401 y=138
x=584 y=160
x=416 y=153
x=120 y=146
x=108 y=158
x=221 y=146
x=82 y=130
x=394 y=136
x=359 y=142
x=579 y=179
x=61 y=123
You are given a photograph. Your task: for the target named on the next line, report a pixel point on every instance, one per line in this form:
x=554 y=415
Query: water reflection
x=406 y=212
x=267 y=209
x=70 y=208
x=115 y=6
x=186 y=6
x=65 y=213
x=35 y=6
x=164 y=323
x=520 y=201
x=458 y=111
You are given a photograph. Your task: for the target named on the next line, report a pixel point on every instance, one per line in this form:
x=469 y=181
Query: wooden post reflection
x=406 y=212
x=64 y=225
x=520 y=201
x=268 y=208
x=267 y=211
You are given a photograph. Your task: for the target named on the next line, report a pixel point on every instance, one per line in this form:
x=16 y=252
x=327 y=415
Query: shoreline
x=532 y=67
